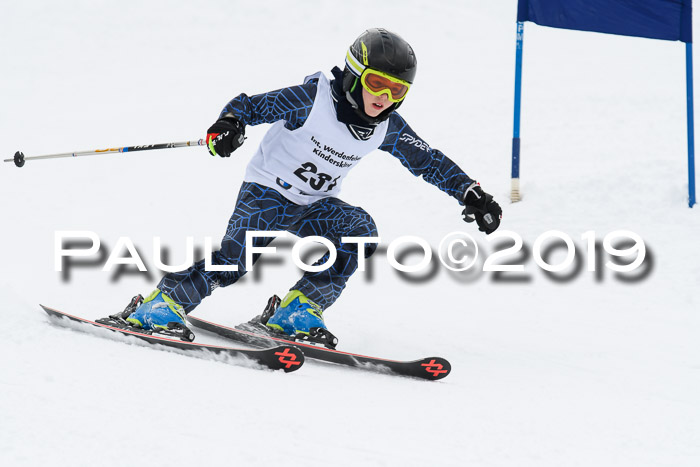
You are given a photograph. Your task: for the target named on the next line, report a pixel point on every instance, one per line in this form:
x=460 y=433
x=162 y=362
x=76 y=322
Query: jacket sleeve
x=292 y=105
x=421 y=160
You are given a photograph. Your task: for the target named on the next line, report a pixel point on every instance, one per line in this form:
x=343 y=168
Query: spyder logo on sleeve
x=413 y=141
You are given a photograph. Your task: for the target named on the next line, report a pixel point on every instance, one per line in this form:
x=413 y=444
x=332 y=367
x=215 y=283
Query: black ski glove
x=480 y=207
x=225 y=136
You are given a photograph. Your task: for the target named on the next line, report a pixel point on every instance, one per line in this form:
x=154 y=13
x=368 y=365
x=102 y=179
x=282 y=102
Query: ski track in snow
x=589 y=371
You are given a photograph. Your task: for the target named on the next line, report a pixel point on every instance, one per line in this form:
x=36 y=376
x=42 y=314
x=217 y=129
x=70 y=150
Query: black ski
x=432 y=368
x=281 y=357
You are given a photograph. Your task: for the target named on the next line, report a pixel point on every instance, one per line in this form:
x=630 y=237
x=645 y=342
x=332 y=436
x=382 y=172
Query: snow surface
x=588 y=371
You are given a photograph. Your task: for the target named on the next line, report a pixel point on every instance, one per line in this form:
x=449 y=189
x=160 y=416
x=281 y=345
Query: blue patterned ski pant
x=260 y=208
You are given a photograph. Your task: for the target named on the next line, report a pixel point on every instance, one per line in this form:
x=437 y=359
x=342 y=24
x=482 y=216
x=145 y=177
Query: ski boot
x=157 y=313
x=299 y=317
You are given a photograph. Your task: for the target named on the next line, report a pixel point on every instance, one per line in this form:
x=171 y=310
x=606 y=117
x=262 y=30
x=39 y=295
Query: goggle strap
x=354 y=65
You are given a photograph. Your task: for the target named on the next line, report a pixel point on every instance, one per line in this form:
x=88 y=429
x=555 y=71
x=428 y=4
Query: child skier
x=321 y=129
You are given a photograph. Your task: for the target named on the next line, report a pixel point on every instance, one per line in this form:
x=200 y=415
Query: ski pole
x=20 y=159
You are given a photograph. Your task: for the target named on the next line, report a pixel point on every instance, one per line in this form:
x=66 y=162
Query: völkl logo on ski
x=434 y=368
x=287 y=358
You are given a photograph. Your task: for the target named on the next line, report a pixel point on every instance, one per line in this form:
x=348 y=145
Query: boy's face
x=374 y=105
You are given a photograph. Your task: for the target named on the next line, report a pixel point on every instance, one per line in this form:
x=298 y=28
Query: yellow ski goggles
x=377 y=83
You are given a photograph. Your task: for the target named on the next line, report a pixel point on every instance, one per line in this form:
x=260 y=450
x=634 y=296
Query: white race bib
x=309 y=163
